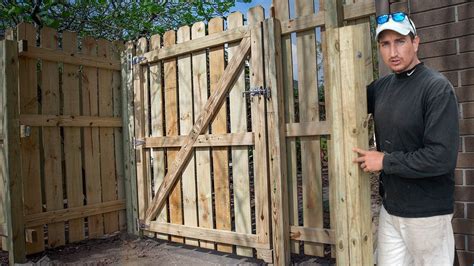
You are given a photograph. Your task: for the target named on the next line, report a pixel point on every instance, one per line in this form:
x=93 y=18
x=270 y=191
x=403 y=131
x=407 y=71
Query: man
x=416 y=128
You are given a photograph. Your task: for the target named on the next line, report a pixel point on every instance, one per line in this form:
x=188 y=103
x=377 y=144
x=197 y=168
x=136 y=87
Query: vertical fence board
x=72 y=139
x=91 y=139
x=30 y=152
x=240 y=162
x=220 y=159
x=255 y=17
x=128 y=134
x=357 y=54
x=203 y=159
x=140 y=81
x=309 y=111
x=11 y=172
x=186 y=124
x=283 y=13
x=52 y=139
x=117 y=48
x=107 y=155
x=156 y=100
x=277 y=144
x=176 y=211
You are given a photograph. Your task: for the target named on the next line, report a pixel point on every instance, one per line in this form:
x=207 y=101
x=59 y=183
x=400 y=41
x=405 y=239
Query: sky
x=244 y=7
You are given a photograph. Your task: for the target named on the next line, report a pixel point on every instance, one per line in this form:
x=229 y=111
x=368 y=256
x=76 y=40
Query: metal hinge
x=258 y=91
x=138 y=142
x=141 y=225
x=138 y=59
x=25 y=131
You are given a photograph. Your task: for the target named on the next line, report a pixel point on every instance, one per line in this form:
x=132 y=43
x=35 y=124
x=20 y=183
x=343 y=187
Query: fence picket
x=91 y=139
x=309 y=111
x=156 y=100
x=240 y=162
x=171 y=126
x=186 y=123
x=52 y=139
x=30 y=153
x=203 y=157
x=220 y=161
x=107 y=155
x=72 y=139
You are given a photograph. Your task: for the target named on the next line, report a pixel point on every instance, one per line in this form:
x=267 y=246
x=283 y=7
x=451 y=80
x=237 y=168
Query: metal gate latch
x=258 y=91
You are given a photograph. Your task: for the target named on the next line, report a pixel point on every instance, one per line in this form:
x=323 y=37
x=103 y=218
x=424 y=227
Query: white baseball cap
x=403 y=27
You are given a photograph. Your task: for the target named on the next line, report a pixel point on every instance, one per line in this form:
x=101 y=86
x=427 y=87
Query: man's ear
x=416 y=43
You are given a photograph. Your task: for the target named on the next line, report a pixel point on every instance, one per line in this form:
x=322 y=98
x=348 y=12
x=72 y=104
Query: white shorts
x=415 y=241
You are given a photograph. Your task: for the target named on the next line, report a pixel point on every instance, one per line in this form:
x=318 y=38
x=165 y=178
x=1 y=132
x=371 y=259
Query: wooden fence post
x=10 y=134
x=348 y=80
x=130 y=177
x=277 y=143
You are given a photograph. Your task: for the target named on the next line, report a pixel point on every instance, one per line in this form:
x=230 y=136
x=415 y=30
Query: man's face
x=398 y=51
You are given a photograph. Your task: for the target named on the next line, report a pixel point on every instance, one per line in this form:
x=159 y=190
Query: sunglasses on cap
x=396 y=16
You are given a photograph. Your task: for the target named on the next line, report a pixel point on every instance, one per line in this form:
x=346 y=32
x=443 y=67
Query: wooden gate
x=198 y=92
x=210 y=117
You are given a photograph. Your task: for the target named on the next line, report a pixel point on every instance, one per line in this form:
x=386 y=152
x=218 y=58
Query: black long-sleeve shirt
x=416 y=126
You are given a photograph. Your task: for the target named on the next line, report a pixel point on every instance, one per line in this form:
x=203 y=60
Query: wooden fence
x=232 y=138
x=232 y=153
x=68 y=131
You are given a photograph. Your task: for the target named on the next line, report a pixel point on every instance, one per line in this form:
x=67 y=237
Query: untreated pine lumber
x=232 y=35
x=306 y=129
x=317 y=235
x=214 y=235
x=38 y=219
x=277 y=144
x=208 y=140
x=69 y=121
x=30 y=148
x=239 y=154
x=302 y=23
x=212 y=105
x=211 y=40
x=73 y=58
x=10 y=157
x=360 y=9
x=282 y=13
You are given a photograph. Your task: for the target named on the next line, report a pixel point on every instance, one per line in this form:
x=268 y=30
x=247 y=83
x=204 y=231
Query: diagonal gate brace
x=210 y=110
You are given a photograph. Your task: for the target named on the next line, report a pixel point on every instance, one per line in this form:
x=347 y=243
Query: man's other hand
x=369 y=161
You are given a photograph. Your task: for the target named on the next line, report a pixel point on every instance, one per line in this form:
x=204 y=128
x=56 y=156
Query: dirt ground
x=124 y=249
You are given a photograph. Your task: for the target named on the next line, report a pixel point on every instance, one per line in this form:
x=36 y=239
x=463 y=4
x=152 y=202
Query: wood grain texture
x=71 y=58
x=185 y=124
x=171 y=118
x=52 y=139
x=91 y=139
x=208 y=140
x=282 y=11
x=106 y=135
x=202 y=122
x=220 y=160
x=202 y=155
x=72 y=139
x=10 y=159
x=255 y=17
x=157 y=114
x=30 y=153
x=309 y=111
x=277 y=144
x=240 y=161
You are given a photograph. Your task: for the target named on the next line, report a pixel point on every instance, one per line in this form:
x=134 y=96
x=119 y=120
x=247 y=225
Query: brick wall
x=446 y=30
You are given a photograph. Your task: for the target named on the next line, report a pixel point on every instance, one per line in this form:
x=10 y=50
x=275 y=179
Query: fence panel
x=70 y=139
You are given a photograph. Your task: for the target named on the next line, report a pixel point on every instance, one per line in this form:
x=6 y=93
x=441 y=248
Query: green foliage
x=112 y=19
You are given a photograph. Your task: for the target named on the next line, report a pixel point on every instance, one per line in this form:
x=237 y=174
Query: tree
x=111 y=19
